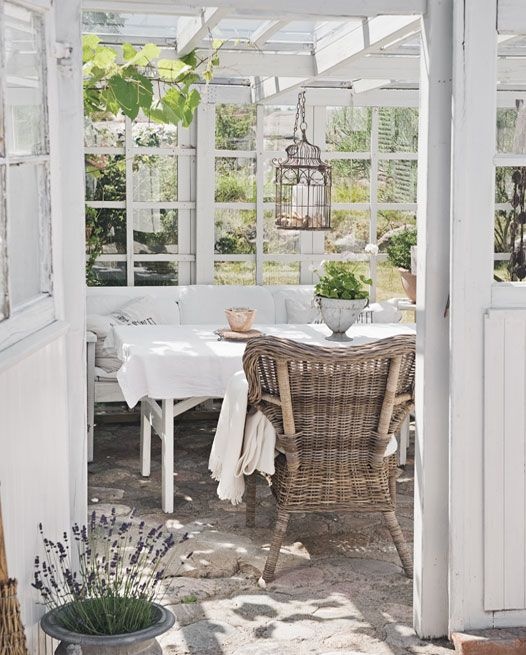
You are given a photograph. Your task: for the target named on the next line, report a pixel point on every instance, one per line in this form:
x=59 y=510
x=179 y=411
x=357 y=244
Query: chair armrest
x=91 y=337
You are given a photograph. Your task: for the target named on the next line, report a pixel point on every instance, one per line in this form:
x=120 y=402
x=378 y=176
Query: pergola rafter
x=347 y=45
x=267 y=30
x=260 y=64
x=356 y=46
x=295 y=9
x=192 y=30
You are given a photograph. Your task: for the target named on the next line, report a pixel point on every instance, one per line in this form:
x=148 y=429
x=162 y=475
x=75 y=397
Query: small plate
x=225 y=334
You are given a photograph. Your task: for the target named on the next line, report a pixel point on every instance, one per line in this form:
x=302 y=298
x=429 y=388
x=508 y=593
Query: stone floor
x=339 y=587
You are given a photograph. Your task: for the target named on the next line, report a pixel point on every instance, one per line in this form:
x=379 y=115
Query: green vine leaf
x=171 y=70
x=128 y=51
x=131 y=94
x=144 y=56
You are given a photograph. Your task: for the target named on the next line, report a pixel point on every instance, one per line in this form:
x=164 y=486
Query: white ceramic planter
x=340 y=314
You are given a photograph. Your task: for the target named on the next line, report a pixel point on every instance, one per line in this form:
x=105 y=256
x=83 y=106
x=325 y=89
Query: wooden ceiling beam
x=343 y=47
x=285 y=9
x=266 y=31
x=192 y=30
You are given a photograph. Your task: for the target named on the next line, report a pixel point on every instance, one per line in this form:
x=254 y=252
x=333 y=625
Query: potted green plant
x=100 y=585
x=341 y=294
x=399 y=255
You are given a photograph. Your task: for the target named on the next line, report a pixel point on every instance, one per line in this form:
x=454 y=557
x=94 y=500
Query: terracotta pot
x=338 y=315
x=240 y=319
x=142 y=642
x=409 y=283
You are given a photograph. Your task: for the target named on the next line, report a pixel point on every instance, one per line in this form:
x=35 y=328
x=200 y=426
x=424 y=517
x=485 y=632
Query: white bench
x=196 y=305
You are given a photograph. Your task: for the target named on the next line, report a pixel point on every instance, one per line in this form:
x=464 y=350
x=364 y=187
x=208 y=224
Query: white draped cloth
x=242 y=444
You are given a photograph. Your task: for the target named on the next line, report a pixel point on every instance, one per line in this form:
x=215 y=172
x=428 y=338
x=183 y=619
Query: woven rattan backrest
x=337 y=398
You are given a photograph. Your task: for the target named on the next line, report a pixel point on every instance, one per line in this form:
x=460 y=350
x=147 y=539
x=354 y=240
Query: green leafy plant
x=340 y=280
x=118 y=576
x=141 y=81
x=399 y=248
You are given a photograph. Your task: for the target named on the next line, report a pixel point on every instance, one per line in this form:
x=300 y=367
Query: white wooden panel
x=514 y=394
x=34 y=467
x=493 y=462
x=511 y=17
x=504 y=460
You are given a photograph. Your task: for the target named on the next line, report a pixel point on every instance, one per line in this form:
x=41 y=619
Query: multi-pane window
x=235 y=221
x=511 y=151
x=373 y=152
x=25 y=206
x=373 y=157
x=139 y=203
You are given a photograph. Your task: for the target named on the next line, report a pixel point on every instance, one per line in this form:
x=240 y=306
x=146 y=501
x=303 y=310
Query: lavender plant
x=105 y=577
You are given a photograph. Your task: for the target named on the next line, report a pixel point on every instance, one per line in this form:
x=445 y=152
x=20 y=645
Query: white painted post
x=71 y=142
x=185 y=166
x=167 y=456
x=473 y=179
x=205 y=185
x=373 y=219
x=319 y=123
x=432 y=370
x=260 y=188
x=128 y=159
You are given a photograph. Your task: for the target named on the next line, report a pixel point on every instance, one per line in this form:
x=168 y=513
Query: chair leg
x=250 y=499
x=400 y=542
x=275 y=546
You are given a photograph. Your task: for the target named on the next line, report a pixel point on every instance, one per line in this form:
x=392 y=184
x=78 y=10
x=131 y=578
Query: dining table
x=172 y=368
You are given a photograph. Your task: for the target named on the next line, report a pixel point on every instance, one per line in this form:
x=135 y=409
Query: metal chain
x=300 y=108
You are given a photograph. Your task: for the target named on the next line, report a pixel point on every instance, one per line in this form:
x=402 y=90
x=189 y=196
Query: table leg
x=90 y=353
x=146 y=438
x=404 y=441
x=167 y=457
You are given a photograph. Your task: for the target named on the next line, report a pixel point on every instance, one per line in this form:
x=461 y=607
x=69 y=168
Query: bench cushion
x=302 y=295
x=206 y=304
x=138 y=311
x=165 y=306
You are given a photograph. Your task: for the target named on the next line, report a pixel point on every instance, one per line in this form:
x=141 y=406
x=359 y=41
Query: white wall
x=33 y=455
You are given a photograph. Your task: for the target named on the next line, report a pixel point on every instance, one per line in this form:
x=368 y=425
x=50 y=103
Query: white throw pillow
x=384 y=312
x=140 y=311
x=300 y=313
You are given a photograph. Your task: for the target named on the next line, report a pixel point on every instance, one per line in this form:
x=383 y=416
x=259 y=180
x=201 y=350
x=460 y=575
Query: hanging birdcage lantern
x=303 y=182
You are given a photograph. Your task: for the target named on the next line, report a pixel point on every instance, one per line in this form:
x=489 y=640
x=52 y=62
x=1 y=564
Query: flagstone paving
x=339 y=587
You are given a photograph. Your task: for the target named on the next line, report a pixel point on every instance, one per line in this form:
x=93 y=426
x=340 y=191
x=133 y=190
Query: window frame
x=185 y=152
x=40 y=311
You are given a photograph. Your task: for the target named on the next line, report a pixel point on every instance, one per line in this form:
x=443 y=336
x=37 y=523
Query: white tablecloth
x=184 y=361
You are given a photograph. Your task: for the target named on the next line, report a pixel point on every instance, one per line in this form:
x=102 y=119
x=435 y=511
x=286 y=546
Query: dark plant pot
x=142 y=642
x=409 y=283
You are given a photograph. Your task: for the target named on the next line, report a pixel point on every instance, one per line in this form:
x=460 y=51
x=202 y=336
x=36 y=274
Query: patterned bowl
x=240 y=319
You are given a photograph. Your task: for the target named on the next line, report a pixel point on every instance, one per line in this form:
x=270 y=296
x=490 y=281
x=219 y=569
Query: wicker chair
x=334 y=410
